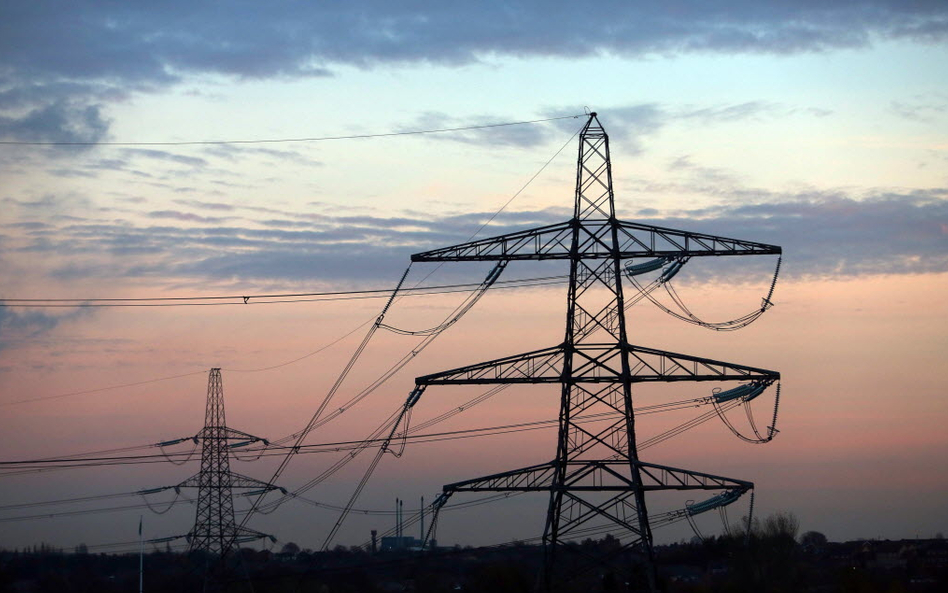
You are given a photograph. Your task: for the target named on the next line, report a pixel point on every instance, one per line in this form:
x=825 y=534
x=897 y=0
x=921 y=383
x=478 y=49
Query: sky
x=819 y=127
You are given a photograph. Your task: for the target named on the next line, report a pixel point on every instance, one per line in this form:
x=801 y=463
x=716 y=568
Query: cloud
x=183 y=216
x=137 y=41
x=629 y=125
x=703 y=175
x=205 y=205
x=51 y=204
x=522 y=136
x=163 y=155
x=16 y=326
x=62 y=61
x=726 y=113
x=823 y=234
x=233 y=152
x=60 y=121
x=831 y=234
x=921 y=109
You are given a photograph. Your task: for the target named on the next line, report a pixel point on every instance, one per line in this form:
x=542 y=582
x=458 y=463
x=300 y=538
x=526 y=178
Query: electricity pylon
x=596 y=477
x=215 y=530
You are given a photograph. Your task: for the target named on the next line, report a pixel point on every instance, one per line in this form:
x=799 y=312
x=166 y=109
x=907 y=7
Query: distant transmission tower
x=214 y=528
x=596 y=479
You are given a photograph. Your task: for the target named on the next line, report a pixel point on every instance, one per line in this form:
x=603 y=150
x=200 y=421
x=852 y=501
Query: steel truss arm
x=645 y=240
x=598 y=476
x=236 y=481
x=634 y=240
x=245 y=535
x=242 y=535
x=597 y=363
x=234 y=434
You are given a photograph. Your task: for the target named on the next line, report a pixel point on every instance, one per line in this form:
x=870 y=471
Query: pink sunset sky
x=823 y=144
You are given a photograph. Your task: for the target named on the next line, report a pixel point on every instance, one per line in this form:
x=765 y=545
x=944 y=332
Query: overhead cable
x=267 y=299
x=289 y=140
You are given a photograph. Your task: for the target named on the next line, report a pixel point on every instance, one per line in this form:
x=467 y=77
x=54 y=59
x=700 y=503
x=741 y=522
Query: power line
x=510 y=284
x=487 y=284
x=100 y=389
x=405 y=292
x=338 y=446
x=264 y=299
x=291 y=140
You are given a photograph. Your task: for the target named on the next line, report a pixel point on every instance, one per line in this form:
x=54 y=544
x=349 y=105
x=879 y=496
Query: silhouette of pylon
x=596 y=481
x=215 y=530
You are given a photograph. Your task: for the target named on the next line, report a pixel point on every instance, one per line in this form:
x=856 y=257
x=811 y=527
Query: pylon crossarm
x=235 y=481
x=594 y=242
x=650 y=364
x=231 y=433
x=535 y=478
x=547 y=242
x=242 y=481
x=539 y=366
x=597 y=476
x=613 y=475
x=245 y=535
x=597 y=363
x=663 y=477
x=645 y=240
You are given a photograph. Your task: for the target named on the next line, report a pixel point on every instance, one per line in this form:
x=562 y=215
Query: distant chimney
x=374 y=541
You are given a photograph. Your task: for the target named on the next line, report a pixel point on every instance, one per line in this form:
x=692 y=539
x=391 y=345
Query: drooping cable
x=758 y=438
x=177 y=495
x=383 y=448
x=452 y=318
x=187 y=457
x=461 y=310
x=332 y=391
x=373 y=439
x=686 y=315
x=482 y=227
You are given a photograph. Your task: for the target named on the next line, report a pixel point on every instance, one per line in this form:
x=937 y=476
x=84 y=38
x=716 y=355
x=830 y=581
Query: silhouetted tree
x=764 y=560
x=813 y=539
x=290 y=549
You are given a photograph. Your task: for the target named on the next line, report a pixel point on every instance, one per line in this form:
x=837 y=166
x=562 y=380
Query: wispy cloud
x=164 y=155
x=59 y=121
x=16 y=326
x=822 y=232
x=62 y=62
x=203 y=205
x=184 y=216
x=921 y=109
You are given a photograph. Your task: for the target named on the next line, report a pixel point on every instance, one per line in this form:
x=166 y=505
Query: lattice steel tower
x=596 y=476
x=214 y=528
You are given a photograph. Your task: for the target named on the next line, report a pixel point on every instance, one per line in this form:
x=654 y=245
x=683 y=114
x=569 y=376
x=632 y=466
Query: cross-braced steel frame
x=215 y=530
x=596 y=475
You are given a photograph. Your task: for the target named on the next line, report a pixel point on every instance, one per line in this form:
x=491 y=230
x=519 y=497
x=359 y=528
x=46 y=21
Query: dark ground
x=717 y=564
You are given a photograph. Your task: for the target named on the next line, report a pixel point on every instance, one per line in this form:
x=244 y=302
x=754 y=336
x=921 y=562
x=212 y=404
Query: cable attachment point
x=414 y=396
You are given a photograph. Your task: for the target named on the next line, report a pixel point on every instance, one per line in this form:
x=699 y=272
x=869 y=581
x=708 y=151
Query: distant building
x=400 y=543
